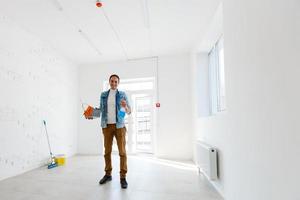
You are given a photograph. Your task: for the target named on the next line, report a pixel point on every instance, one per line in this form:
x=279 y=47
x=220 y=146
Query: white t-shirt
x=111 y=107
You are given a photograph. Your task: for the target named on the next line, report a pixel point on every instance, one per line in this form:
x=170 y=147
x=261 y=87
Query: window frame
x=216 y=87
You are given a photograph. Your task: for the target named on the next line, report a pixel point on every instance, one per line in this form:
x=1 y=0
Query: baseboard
x=212 y=183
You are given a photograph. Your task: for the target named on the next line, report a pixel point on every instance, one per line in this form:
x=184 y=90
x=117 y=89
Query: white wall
x=173 y=126
x=35 y=84
x=258 y=136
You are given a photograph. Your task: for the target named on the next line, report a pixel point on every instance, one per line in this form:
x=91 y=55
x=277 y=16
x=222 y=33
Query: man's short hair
x=114 y=75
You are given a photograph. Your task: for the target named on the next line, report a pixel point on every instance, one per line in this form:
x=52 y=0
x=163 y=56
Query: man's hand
x=123 y=103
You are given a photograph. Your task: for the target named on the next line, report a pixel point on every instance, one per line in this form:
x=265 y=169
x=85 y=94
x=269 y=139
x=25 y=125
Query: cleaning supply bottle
x=122 y=112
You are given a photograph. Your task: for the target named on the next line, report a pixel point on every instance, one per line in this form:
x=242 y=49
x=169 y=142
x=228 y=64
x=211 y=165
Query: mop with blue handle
x=52 y=163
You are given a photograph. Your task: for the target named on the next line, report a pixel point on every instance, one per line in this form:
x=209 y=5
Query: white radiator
x=206 y=160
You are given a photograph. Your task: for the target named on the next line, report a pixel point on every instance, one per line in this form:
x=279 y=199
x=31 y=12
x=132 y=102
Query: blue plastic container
x=122 y=113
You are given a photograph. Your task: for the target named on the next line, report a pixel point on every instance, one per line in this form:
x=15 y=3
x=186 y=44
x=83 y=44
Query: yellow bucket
x=60 y=159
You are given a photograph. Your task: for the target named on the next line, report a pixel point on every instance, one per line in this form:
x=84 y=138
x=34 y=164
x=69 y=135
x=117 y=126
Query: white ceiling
x=132 y=29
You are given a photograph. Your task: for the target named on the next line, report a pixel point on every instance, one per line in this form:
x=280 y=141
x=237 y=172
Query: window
x=217 y=77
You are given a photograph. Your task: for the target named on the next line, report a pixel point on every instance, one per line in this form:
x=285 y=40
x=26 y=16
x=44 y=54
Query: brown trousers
x=109 y=132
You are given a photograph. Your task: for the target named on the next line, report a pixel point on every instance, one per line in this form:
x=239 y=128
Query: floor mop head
x=52 y=164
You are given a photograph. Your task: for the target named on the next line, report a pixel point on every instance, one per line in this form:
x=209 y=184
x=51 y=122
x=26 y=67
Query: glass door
x=143 y=124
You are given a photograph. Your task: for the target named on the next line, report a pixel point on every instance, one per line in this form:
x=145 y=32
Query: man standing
x=113 y=104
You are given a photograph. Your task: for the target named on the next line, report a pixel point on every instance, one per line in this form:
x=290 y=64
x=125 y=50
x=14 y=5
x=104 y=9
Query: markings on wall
x=10 y=75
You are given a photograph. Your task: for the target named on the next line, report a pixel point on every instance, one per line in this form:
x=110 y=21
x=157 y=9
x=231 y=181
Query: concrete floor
x=148 y=179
